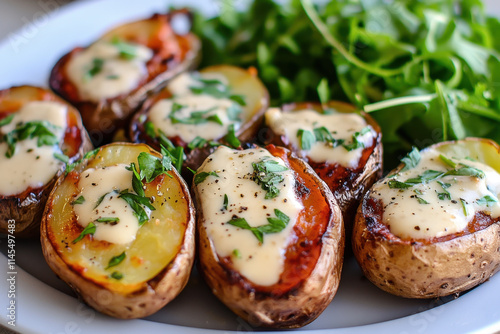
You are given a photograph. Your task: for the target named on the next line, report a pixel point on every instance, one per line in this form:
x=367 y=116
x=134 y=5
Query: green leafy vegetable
x=116 y=260
x=201 y=176
x=427 y=70
x=89 y=229
x=265 y=173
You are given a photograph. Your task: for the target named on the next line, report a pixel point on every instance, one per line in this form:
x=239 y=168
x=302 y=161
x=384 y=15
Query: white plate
x=44 y=304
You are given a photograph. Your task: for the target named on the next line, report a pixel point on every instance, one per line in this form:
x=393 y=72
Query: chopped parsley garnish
x=464 y=207
x=216 y=89
x=127 y=50
x=466 y=171
x=195 y=117
x=237 y=253
x=265 y=173
x=445 y=195
x=201 y=176
x=487 y=200
x=226 y=202
x=137 y=202
x=275 y=225
x=116 y=275
x=108 y=220
x=411 y=160
x=306 y=139
x=6 y=120
x=70 y=167
x=89 y=229
x=97 y=64
x=199 y=142
x=356 y=143
x=100 y=199
x=116 y=260
x=79 y=200
x=447 y=161
x=42 y=130
x=62 y=157
x=168 y=149
x=231 y=138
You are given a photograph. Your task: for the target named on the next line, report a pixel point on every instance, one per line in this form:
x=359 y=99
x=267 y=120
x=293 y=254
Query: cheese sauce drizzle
x=261 y=263
x=31 y=165
x=341 y=126
x=441 y=206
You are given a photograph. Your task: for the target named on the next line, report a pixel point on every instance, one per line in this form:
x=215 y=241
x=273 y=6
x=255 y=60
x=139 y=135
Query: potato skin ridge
x=312 y=267
x=425 y=268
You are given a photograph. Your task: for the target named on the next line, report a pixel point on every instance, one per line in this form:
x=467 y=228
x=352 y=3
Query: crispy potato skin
x=347 y=185
x=312 y=267
x=425 y=268
x=194 y=158
x=173 y=54
x=151 y=295
x=26 y=208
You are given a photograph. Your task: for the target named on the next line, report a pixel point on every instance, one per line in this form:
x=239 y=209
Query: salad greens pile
x=426 y=70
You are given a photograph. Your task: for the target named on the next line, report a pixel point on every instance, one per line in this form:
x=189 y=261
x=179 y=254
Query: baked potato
x=431 y=227
x=232 y=103
x=270 y=233
x=342 y=145
x=126 y=253
x=111 y=78
x=34 y=125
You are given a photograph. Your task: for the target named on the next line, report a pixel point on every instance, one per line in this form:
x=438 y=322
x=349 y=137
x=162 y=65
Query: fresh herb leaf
x=306 y=139
x=100 y=199
x=239 y=99
x=127 y=50
x=89 y=229
x=79 y=200
x=237 y=253
x=275 y=225
x=323 y=91
x=323 y=135
x=201 y=176
x=136 y=180
x=150 y=130
x=464 y=207
x=62 y=157
x=137 y=202
x=44 y=131
x=231 y=138
x=394 y=184
x=116 y=275
x=447 y=161
x=487 y=200
x=265 y=173
x=116 y=260
x=466 y=171
x=411 y=160
x=445 y=195
x=233 y=112
x=198 y=142
x=226 y=202
x=108 y=220
x=421 y=200
x=151 y=167
x=97 y=64
x=6 y=120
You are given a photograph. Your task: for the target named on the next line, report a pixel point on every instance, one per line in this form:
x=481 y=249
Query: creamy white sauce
x=260 y=263
x=117 y=75
x=108 y=182
x=182 y=95
x=31 y=166
x=408 y=218
x=340 y=125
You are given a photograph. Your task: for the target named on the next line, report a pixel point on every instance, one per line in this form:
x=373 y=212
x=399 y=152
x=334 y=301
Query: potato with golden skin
x=26 y=208
x=158 y=261
x=429 y=268
x=244 y=82
x=172 y=54
x=313 y=261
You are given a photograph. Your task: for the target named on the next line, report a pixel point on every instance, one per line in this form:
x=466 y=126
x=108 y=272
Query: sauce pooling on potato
x=201 y=105
x=246 y=222
x=108 y=69
x=29 y=140
x=438 y=196
x=332 y=138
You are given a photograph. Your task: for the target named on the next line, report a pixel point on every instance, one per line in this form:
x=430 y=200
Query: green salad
x=426 y=70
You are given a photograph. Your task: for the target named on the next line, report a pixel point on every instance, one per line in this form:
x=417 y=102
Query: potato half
x=26 y=208
x=430 y=267
x=312 y=261
x=172 y=54
x=348 y=184
x=158 y=262
x=241 y=82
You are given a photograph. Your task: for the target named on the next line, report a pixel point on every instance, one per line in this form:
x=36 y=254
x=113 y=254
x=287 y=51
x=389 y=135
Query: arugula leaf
x=201 y=176
x=116 y=260
x=89 y=229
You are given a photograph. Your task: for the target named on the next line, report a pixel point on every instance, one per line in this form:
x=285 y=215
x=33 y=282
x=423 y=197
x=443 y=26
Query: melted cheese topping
x=31 y=166
x=182 y=95
x=95 y=183
x=115 y=76
x=260 y=263
x=340 y=125
x=407 y=214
